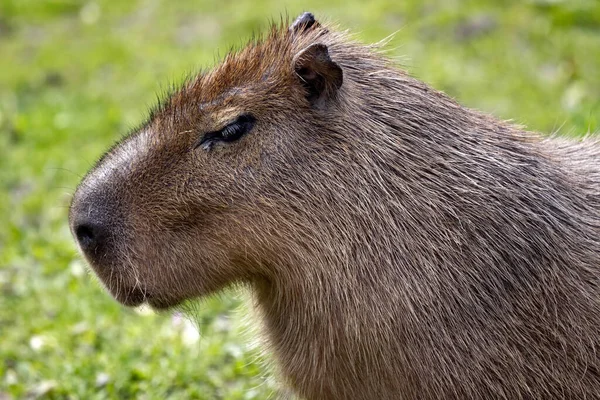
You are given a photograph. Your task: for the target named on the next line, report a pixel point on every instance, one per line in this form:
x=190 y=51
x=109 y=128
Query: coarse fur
x=398 y=245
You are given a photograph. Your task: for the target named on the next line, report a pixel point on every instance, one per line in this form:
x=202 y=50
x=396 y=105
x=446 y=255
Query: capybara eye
x=230 y=133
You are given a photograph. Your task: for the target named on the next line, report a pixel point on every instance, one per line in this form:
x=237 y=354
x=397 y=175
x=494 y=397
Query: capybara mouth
x=133 y=297
x=159 y=303
x=137 y=296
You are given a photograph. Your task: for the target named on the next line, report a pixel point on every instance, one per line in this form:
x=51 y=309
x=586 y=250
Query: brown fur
x=399 y=245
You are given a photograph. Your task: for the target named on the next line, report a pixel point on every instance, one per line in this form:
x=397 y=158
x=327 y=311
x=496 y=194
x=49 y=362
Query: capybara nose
x=94 y=219
x=92 y=236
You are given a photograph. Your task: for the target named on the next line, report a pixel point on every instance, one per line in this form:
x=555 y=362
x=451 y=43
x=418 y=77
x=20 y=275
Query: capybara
x=397 y=244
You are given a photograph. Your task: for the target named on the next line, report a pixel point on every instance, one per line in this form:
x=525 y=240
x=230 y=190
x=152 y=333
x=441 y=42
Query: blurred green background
x=76 y=75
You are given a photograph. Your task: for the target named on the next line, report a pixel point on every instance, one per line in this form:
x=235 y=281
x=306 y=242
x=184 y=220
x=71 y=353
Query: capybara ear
x=320 y=76
x=304 y=22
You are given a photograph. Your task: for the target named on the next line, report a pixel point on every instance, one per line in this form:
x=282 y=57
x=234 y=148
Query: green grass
x=75 y=76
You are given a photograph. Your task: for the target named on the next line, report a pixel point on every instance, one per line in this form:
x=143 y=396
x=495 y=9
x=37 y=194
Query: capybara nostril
x=95 y=221
x=86 y=234
x=91 y=236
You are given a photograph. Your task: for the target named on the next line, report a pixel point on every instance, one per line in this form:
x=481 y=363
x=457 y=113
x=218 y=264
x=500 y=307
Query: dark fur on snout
x=399 y=245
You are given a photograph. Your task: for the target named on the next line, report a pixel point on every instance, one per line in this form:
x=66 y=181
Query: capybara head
x=209 y=190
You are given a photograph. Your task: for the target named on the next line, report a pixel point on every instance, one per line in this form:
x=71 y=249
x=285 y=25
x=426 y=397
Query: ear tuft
x=320 y=76
x=304 y=22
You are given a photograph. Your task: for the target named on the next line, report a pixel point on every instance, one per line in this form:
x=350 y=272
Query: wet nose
x=95 y=223
x=91 y=236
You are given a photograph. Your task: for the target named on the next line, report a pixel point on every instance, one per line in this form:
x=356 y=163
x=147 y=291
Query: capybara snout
x=95 y=226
